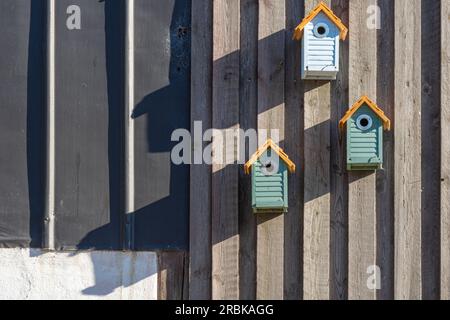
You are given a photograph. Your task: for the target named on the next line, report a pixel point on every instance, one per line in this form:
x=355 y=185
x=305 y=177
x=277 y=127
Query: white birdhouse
x=320 y=32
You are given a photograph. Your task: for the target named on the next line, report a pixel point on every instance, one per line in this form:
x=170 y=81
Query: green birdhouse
x=269 y=168
x=365 y=123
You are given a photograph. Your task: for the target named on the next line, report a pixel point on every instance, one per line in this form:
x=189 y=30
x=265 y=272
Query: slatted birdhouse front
x=320 y=32
x=269 y=168
x=365 y=123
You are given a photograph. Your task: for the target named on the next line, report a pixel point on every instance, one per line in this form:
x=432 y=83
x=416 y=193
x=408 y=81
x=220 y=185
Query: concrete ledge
x=34 y=274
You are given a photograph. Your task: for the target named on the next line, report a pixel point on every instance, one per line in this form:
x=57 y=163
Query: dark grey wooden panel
x=385 y=177
x=200 y=253
x=22 y=145
x=89 y=109
x=431 y=148
x=162 y=97
x=248 y=110
x=294 y=142
x=339 y=176
x=172 y=279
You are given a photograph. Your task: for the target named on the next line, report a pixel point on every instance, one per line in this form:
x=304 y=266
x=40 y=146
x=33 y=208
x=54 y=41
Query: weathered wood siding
x=341 y=227
x=445 y=153
x=362 y=75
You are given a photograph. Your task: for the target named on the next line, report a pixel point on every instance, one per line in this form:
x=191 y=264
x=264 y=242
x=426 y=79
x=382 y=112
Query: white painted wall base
x=34 y=274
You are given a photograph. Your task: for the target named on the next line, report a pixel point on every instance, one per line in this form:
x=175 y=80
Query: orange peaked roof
x=372 y=105
x=322 y=7
x=269 y=144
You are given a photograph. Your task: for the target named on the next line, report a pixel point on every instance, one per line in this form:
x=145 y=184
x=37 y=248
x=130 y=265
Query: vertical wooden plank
x=248 y=102
x=271 y=112
x=362 y=192
x=339 y=176
x=445 y=150
x=88 y=112
x=200 y=188
x=407 y=153
x=22 y=120
x=431 y=148
x=161 y=90
x=172 y=274
x=316 y=249
x=293 y=231
x=225 y=237
x=385 y=177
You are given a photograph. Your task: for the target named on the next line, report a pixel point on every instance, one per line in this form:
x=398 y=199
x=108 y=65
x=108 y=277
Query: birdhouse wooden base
x=269 y=210
x=364 y=167
x=319 y=75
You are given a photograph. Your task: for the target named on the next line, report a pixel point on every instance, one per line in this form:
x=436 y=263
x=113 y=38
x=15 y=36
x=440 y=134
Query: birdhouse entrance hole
x=270 y=168
x=364 y=122
x=321 y=30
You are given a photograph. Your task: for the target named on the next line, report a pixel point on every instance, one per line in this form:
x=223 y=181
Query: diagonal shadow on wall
x=159 y=109
x=36 y=121
x=229 y=172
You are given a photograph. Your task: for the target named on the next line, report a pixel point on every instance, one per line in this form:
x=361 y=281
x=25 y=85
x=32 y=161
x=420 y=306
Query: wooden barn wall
x=86 y=117
x=339 y=223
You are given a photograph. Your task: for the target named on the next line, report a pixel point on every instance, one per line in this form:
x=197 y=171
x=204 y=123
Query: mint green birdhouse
x=269 y=168
x=365 y=123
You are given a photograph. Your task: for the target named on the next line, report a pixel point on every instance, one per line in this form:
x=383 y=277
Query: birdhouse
x=269 y=168
x=320 y=31
x=365 y=123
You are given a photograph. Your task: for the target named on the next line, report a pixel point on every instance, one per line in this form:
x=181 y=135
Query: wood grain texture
x=172 y=275
x=271 y=112
x=431 y=148
x=200 y=189
x=407 y=151
x=362 y=192
x=225 y=228
x=339 y=175
x=248 y=102
x=385 y=177
x=316 y=249
x=293 y=220
x=445 y=151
